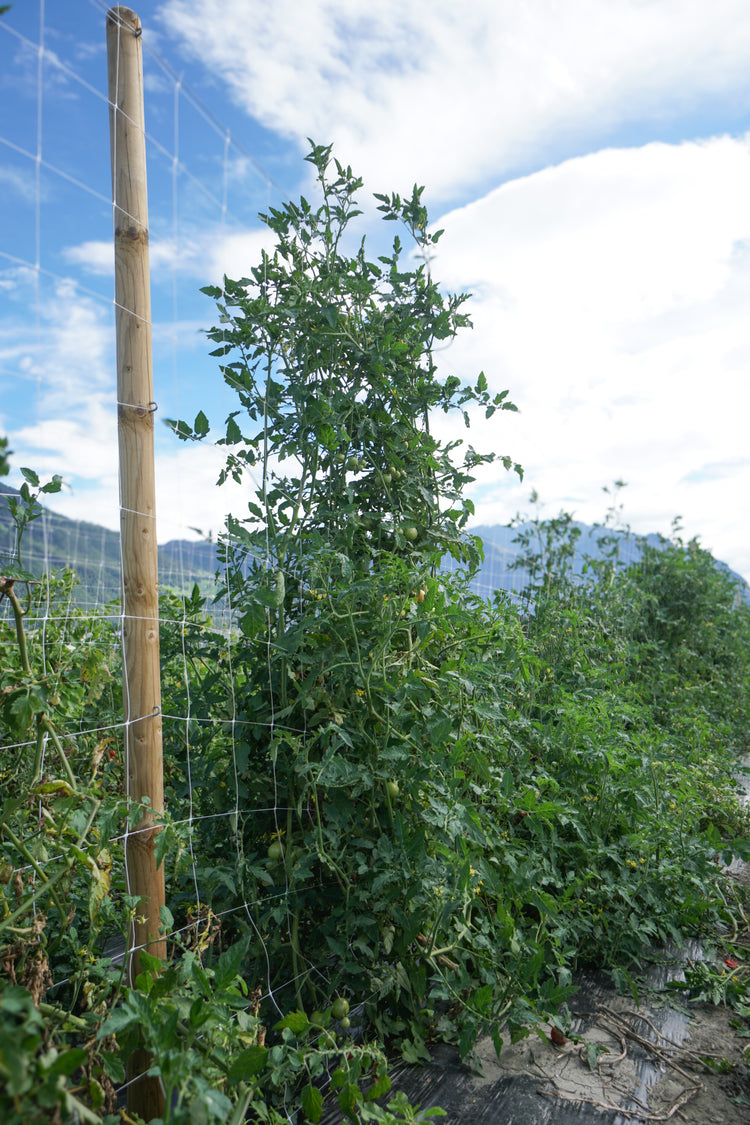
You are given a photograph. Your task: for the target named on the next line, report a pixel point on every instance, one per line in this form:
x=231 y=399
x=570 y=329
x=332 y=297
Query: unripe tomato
x=393 y=789
x=339 y=1008
x=345 y=1022
x=410 y=532
x=275 y=851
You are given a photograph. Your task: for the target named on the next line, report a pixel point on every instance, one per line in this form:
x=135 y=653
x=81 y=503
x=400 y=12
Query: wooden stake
x=141 y=682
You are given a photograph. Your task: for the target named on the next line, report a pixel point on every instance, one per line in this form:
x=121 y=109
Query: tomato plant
x=472 y=797
x=331 y=358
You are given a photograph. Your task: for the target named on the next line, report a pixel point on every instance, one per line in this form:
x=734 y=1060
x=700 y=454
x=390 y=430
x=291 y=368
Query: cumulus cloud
x=56 y=371
x=58 y=390
x=204 y=255
x=452 y=95
x=610 y=297
x=187 y=499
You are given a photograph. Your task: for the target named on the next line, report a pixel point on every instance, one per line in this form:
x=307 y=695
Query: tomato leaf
x=312 y=1103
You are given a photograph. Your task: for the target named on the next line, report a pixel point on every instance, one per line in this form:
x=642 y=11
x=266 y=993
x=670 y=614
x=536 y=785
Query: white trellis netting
x=58 y=371
x=57 y=364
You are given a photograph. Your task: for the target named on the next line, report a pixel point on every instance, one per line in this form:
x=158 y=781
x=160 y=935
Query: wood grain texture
x=141 y=674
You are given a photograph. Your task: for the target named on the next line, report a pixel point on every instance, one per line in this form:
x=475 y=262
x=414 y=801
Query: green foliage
x=59 y=864
x=409 y=812
x=366 y=702
x=5 y=451
x=208 y=1047
x=63 y=892
x=27 y=508
x=468 y=800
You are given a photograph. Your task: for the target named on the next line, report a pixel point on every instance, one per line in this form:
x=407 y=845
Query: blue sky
x=589 y=161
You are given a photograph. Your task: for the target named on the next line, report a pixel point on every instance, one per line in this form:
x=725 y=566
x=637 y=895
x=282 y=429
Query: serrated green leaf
x=380 y=1086
x=312 y=1103
x=114 y=1066
x=149 y=963
x=116 y=1022
x=68 y=1061
x=295 y=1021
x=183 y=431
x=251 y=1061
x=229 y=964
x=349 y=1095
x=21 y=710
x=234 y=433
x=17 y=573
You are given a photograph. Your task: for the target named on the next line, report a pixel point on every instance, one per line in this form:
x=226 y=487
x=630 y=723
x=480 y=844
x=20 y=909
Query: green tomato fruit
x=345 y=1022
x=339 y=1008
x=275 y=851
x=410 y=532
x=393 y=789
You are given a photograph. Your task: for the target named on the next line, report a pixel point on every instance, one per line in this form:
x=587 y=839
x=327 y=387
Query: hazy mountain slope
x=54 y=541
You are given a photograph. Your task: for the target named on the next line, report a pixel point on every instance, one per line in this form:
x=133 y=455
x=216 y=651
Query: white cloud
x=206 y=255
x=21 y=182
x=187 y=496
x=611 y=298
x=94 y=256
x=450 y=95
x=57 y=362
x=62 y=416
x=83 y=449
x=236 y=253
x=60 y=340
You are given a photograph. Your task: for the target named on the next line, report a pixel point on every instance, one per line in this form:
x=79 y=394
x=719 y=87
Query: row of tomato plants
x=395 y=808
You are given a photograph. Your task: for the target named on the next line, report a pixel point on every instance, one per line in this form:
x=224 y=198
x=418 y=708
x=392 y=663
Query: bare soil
x=649 y=1063
x=624 y=1064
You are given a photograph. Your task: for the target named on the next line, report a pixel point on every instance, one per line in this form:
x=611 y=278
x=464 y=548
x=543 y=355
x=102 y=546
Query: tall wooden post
x=135 y=423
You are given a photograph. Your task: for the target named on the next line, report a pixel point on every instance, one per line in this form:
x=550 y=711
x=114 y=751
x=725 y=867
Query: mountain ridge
x=54 y=541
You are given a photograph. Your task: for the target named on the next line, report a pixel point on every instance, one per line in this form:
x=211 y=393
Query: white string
x=75 y=731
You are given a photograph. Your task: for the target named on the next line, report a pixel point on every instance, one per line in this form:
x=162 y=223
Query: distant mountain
x=501 y=550
x=54 y=541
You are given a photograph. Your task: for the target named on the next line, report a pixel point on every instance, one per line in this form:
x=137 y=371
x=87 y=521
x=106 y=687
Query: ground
x=626 y=1062
x=663 y=1062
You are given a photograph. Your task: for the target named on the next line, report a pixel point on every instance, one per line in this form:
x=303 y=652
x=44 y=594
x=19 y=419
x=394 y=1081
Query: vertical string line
x=175 y=168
